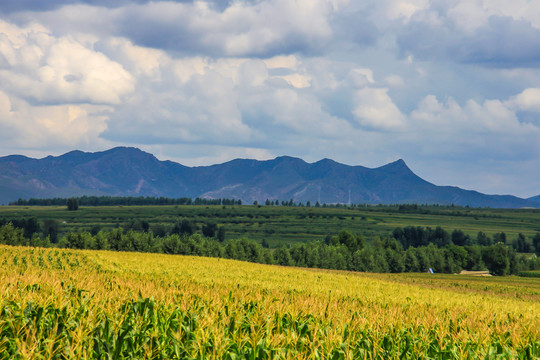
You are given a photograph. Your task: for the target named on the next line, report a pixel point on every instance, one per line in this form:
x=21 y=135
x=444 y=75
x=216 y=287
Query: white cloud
x=374 y=109
x=489 y=130
x=402 y=10
x=44 y=69
x=30 y=127
x=527 y=100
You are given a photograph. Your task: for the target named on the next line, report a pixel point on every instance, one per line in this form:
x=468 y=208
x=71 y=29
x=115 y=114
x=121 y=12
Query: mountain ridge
x=129 y=171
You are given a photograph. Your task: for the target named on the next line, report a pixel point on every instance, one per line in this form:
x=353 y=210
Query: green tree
x=483 y=239
x=77 y=240
x=101 y=242
x=499 y=237
x=11 y=235
x=31 y=226
x=459 y=238
x=221 y=234
x=536 y=243
x=521 y=244
x=395 y=261
x=185 y=227
x=496 y=257
x=282 y=256
x=51 y=229
x=411 y=261
x=209 y=229
x=348 y=239
x=72 y=204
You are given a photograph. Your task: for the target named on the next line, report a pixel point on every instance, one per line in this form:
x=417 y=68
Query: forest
x=409 y=249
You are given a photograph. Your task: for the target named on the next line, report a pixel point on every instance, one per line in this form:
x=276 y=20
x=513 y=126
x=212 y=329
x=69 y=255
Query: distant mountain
x=535 y=199
x=126 y=171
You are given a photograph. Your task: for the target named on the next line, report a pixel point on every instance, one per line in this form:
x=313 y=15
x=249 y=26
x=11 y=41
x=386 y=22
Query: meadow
x=281 y=225
x=71 y=304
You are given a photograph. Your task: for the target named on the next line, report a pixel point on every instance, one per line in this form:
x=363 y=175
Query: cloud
x=259 y=28
x=527 y=100
x=60 y=126
x=41 y=68
x=490 y=130
x=49 y=5
x=231 y=101
x=468 y=33
x=374 y=109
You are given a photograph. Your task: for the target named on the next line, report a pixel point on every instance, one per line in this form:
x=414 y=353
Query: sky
x=451 y=87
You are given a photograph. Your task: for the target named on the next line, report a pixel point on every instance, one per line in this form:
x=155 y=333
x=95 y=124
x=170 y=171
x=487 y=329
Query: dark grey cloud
x=256 y=29
x=502 y=42
x=11 y=6
x=219 y=28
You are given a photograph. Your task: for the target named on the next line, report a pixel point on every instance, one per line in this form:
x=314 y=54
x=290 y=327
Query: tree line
x=150 y=200
x=344 y=251
x=122 y=201
x=416 y=236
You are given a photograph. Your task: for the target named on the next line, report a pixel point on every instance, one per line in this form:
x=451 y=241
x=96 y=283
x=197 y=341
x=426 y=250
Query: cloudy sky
x=452 y=87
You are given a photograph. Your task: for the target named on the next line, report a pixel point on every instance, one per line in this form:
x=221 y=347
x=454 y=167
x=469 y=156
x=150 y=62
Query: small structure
x=475 y=273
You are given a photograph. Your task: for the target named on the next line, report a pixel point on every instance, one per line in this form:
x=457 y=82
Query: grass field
x=283 y=225
x=67 y=304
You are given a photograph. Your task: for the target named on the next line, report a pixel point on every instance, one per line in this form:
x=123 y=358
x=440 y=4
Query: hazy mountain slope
x=131 y=172
x=535 y=199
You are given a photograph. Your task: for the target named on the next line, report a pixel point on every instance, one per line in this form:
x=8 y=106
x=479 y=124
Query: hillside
x=131 y=172
x=535 y=199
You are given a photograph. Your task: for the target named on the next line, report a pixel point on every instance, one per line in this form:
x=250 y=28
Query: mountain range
x=125 y=171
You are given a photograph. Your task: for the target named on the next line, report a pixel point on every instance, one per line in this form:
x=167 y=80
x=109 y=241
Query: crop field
x=282 y=225
x=68 y=304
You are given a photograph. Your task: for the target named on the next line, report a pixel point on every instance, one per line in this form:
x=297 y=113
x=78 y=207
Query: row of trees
x=150 y=200
x=31 y=227
x=416 y=236
x=50 y=228
x=344 y=251
x=124 y=201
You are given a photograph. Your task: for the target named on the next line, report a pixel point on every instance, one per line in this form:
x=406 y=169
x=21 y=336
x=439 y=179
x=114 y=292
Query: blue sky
x=452 y=87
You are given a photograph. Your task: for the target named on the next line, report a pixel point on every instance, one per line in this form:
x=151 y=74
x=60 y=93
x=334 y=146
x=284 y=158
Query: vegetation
x=71 y=304
x=72 y=204
x=124 y=201
x=344 y=251
x=146 y=301
x=282 y=225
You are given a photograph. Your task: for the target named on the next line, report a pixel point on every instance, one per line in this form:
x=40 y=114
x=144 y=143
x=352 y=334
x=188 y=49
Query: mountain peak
x=129 y=152
x=326 y=161
x=126 y=149
x=284 y=158
x=399 y=162
x=396 y=166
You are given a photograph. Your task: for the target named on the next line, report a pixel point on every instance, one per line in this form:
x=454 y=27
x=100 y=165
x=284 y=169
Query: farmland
x=59 y=303
x=283 y=225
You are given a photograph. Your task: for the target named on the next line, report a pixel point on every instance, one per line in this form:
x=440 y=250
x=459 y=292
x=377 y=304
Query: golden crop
x=107 y=305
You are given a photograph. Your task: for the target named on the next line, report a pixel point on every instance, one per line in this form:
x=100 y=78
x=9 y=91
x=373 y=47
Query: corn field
x=68 y=304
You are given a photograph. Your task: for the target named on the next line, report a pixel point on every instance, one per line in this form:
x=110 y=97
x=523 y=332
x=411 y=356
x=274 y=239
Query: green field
x=283 y=225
